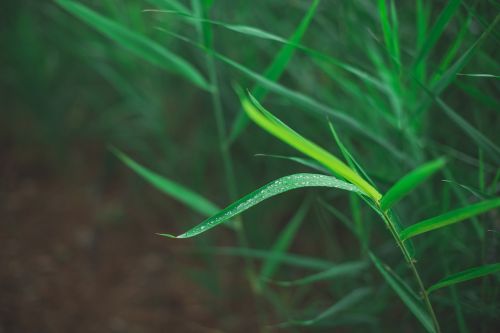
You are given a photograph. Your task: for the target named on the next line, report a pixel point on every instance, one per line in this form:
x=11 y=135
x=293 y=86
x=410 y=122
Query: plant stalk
x=411 y=263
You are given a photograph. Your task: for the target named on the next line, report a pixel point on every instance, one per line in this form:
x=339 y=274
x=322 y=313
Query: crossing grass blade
x=343 y=269
x=343 y=304
x=276 y=68
x=136 y=43
x=469 y=274
x=404 y=292
x=284 y=240
x=449 y=218
x=169 y=187
x=308 y=103
x=269 y=190
x=409 y=182
x=276 y=127
x=348 y=156
x=436 y=31
x=316 y=107
x=304 y=161
x=171 y=5
x=287 y=258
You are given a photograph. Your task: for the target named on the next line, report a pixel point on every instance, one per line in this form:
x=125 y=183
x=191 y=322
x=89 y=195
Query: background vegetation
x=396 y=100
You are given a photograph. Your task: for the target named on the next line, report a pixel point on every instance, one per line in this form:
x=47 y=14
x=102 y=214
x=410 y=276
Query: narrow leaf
x=169 y=187
x=136 y=43
x=404 y=293
x=343 y=269
x=469 y=274
x=446 y=219
x=277 y=67
x=284 y=258
x=277 y=128
x=284 y=240
x=269 y=190
x=409 y=182
x=304 y=161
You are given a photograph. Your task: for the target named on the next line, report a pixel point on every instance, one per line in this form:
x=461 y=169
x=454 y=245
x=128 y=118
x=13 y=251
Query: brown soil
x=82 y=256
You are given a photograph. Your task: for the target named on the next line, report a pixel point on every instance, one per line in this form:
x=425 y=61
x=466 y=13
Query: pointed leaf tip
x=168 y=235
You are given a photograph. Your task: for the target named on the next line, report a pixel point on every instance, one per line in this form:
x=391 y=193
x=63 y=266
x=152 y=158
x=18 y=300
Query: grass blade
x=404 y=293
x=469 y=274
x=314 y=106
x=171 y=188
x=345 y=303
x=276 y=68
x=304 y=161
x=452 y=217
x=344 y=269
x=284 y=240
x=136 y=43
x=409 y=182
x=437 y=29
x=269 y=190
x=171 y=4
x=284 y=258
x=277 y=128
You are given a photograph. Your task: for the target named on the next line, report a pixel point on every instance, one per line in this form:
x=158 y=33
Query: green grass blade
x=171 y=5
x=169 y=187
x=277 y=128
x=404 y=293
x=409 y=182
x=276 y=68
x=469 y=274
x=269 y=190
x=437 y=29
x=284 y=240
x=343 y=269
x=353 y=163
x=313 y=106
x=448 y=218
x=344 y=304
x=390 y=29
x=471 y=131
x=284 y=258
x=304 y=161
x=136 y=43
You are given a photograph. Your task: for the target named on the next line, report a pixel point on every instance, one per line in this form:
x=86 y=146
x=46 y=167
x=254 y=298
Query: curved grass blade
x=404 y=292
x=469 y=274
x=449 y=218
x=344 y=304
x=269 y=190
x=277 y=128
x=284 y=240
x=136 y=43
x=171 y=188
x=410 y=181
x=343 y=269
x=284 y=258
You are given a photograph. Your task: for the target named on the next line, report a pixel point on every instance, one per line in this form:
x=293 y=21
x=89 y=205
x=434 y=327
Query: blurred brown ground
x=80 y=256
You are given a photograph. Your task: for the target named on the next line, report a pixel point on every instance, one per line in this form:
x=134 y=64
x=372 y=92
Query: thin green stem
x=411 y=263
